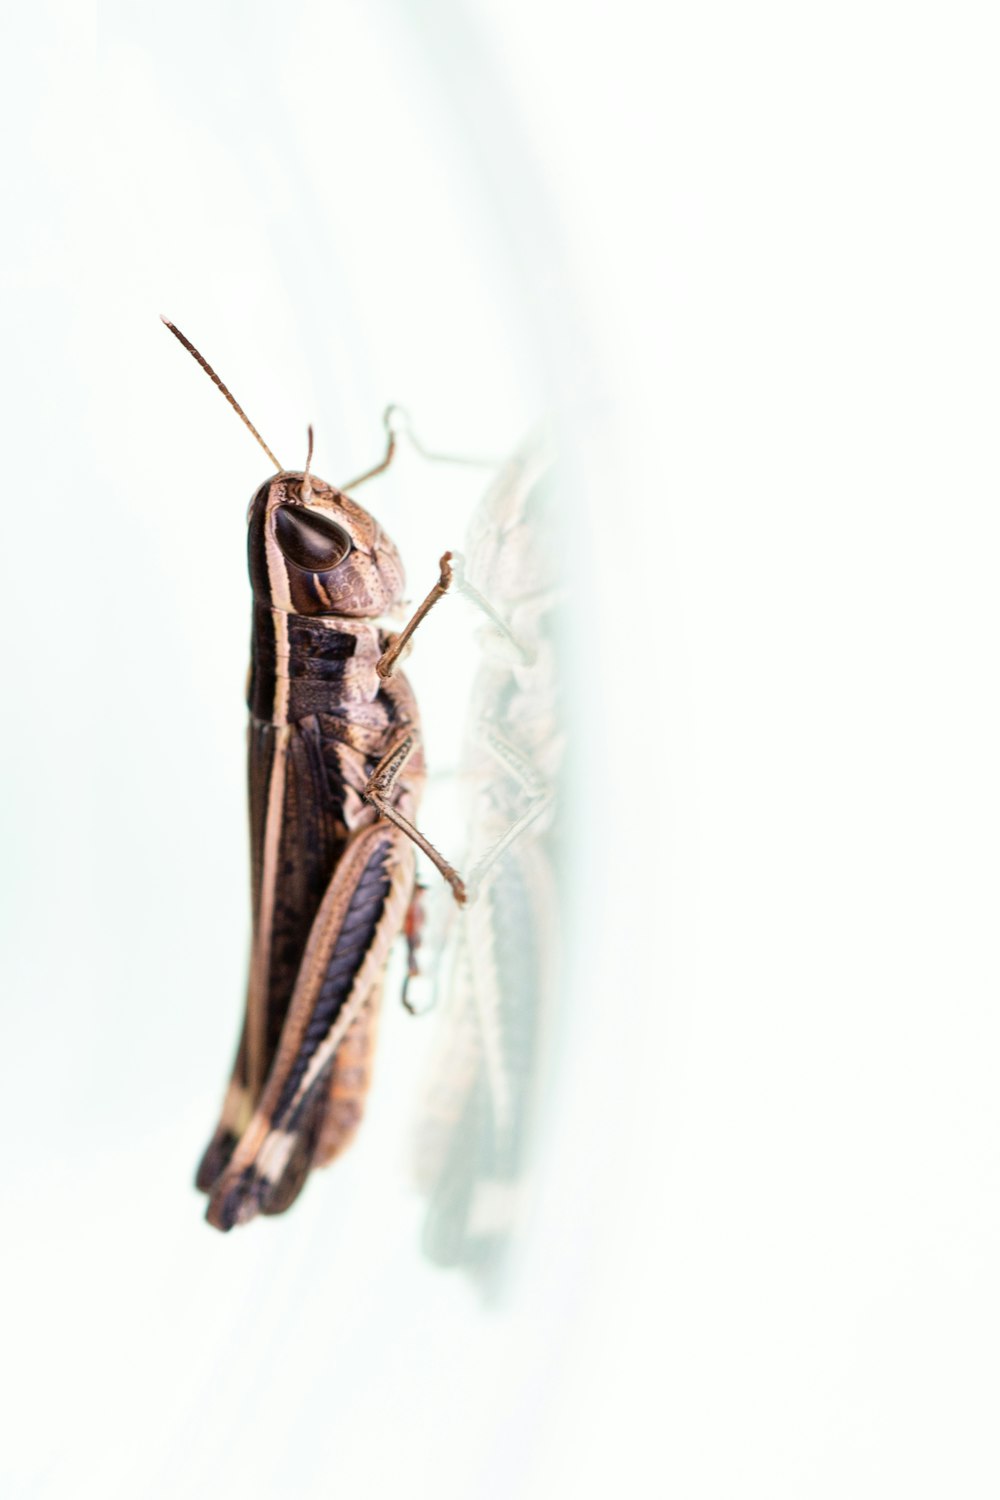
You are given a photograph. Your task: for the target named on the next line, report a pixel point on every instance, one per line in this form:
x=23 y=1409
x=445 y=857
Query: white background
x=749 y=256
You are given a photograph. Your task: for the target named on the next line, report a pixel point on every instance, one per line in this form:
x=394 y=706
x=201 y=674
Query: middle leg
x=378 y=793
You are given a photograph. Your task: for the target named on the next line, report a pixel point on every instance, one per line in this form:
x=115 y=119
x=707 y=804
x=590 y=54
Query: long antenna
x=237 y=408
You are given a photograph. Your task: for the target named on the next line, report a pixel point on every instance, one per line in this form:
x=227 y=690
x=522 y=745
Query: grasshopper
x=336 y=771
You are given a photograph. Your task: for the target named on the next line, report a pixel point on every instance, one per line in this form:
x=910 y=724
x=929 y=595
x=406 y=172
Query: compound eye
x=310 y=540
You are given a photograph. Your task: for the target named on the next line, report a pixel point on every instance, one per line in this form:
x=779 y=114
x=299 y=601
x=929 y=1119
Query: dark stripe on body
x=360 y=923
x=260 y=689
x=313 y=838
x=316 y=662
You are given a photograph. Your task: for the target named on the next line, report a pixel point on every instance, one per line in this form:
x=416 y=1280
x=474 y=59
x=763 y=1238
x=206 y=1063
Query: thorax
x=308 y=664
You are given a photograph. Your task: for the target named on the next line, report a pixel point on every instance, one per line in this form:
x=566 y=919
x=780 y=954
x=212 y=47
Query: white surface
x=757 y=248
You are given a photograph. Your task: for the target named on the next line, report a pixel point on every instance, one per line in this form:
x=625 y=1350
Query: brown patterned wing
x=297 y=835
x=340 y=975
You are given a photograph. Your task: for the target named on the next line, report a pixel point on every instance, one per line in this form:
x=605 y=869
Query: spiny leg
x=396 y=422
x=392 y=439
x=391 y=654
x=378 y=791
x=395 y=415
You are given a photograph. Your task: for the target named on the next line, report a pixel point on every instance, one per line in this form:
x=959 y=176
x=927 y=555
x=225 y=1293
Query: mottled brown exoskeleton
x=336 y=770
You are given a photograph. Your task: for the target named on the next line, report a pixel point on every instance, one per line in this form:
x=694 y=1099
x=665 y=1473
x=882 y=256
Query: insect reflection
x=496 y=961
